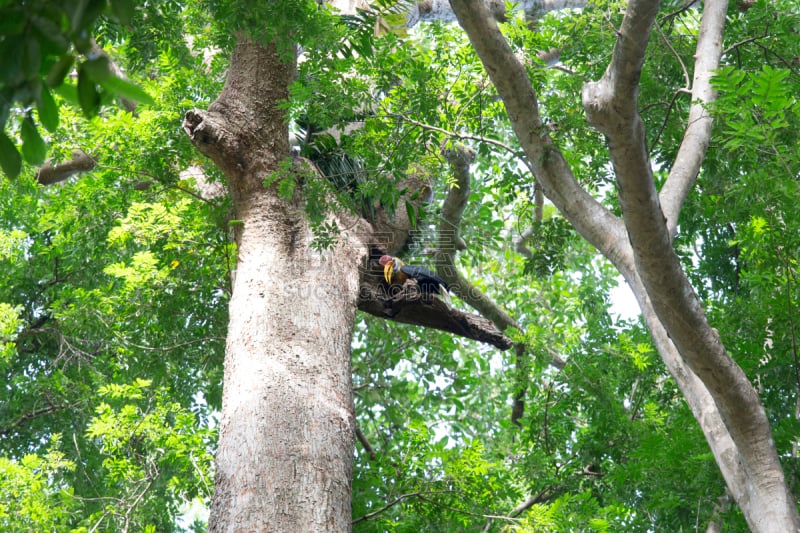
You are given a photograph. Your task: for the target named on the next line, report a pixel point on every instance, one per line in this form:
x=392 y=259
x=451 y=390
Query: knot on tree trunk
x=203 y=128
x=597 y=97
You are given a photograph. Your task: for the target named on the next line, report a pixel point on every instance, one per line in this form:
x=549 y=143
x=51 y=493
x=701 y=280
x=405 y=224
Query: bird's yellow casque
x=397 y=272
x=390 y=267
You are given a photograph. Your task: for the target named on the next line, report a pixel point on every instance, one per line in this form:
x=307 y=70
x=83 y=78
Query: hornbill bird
x=428 y=282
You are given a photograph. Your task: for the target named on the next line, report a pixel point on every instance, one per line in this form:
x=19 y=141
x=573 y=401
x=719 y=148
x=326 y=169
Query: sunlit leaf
x=126 y=89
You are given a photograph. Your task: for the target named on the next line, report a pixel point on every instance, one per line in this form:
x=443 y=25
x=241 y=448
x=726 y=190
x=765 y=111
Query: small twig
x=686 y=77
x=455 y=135
x=678 y=11
x=365 y=443
x=464 y=511
x=150 y=348
x=151 y=479
x=666 y=116
x=788 y=64
x=743 y=42
x=389 y=505
x=538 y=216
x=546 y=422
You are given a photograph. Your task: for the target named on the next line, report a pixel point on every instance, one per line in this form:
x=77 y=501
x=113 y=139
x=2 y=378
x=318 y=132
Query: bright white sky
x=623 y=302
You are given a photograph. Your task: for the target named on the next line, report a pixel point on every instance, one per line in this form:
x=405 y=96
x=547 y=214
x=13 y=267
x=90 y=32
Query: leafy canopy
x=114 y=284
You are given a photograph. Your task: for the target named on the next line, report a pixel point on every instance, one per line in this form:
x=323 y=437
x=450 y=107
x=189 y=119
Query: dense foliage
x=114 y=284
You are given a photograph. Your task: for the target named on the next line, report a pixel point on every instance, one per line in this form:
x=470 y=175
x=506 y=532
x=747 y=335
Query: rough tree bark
x=285 y=450
x=286 y=439
x=719 y=394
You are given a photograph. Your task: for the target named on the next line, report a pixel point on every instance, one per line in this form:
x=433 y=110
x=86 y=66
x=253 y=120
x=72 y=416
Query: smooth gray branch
x=695 y=142
x=611 y=106
x=593 y=221
x=428 y=10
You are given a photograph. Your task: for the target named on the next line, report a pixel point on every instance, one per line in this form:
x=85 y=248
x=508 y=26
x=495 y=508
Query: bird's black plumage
x=429 y=283
x=397 y=272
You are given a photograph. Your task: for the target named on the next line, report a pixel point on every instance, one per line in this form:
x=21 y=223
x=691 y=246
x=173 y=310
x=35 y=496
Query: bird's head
x=390 y=266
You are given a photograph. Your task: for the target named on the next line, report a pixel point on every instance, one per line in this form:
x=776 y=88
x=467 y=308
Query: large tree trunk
x=286 y=435
x=286 y=439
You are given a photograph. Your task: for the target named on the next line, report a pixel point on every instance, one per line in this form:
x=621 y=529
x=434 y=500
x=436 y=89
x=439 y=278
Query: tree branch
x=460 y=157
x=30 y=415
x=50 y=174
x=448 y=237
x=394 y=502
x=365 y=443
x=593 y=221
x=612 y=107
x=544 y=495
x=409 y=306
x=427 y=10
x=454 y=135
x=538 y=214
x=696 y=139
x=96 y=51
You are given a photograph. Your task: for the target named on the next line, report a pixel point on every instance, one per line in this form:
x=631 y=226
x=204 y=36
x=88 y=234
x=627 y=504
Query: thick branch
x=411 y=307
x=234 y=128
x=460 y=158
x=427 y=10
x=698 y=132
x=50 y=174
x=593 y=221
x=611 y=106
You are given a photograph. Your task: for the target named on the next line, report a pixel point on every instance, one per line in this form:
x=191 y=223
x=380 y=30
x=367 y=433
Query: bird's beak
x=388 y=268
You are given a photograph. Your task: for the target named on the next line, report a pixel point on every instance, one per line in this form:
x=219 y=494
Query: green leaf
x=286 y=187
x=88 y=97
x=12 y=22
x=84 y=14
x=48 y=110
x=10 y=160
x=31 y=56
x=123 y=10
x=69 y=92
x=98 y=68
x=34 y=149
x=11 y=65
x=412 y=214
x=126 y=89
x=53 y=38
x=59 y=71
